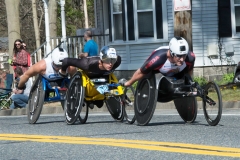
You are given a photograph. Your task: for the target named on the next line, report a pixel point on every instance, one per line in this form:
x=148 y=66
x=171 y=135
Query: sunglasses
x=17 y=44
x=24 y=46
x=180 y=56
x=109 y=60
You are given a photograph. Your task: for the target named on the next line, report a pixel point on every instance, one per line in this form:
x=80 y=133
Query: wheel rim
x=129 y=104
x=212 y=110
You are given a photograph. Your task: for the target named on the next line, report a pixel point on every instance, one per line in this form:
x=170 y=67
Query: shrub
x=200 y=80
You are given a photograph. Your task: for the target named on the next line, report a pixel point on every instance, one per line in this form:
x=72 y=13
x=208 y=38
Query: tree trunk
x=85 y=13
x=36 y=28
x=52 y=9
x=12 y=8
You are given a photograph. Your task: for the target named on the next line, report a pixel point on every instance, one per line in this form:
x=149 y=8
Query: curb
x=58 y=109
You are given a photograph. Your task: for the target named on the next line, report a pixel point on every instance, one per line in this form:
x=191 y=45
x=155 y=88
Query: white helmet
x=59 y=54
x=108 y=54
x=179 y=46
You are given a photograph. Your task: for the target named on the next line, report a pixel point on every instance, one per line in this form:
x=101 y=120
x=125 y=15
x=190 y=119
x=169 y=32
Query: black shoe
x=91 y=105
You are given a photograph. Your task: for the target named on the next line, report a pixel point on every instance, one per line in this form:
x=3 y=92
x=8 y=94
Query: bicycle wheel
x=84 y=113
x=115 y=107
x=74 y=99
x=212 y=103
x=129 y=104
x=145 y=99
x=35 y=101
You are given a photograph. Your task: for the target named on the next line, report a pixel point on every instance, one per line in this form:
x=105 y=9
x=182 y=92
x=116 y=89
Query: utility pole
x=183 y=20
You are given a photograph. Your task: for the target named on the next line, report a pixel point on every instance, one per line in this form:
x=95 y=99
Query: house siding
x=204 y=32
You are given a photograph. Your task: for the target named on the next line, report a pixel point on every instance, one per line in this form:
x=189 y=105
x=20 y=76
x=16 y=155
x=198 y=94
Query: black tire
x=213 y=108
x=35 y=101
x=129 y=99
x=145 y=99
x=74 y=99
x=236 y=78
x=115 y=107
x=84 y=113
x=187 y=108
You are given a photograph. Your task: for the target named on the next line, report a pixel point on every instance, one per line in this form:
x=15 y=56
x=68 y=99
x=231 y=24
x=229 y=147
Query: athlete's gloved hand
x=62 y=74
x=20 y=88
x=122 y=81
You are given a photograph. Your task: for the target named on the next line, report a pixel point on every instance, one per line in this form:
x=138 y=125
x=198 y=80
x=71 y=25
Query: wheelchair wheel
x=36 y=100
x=187 y=108
x=212 y=103
x=115 y=107
x=145 y=99
x=74 y=99
x=129 y=104
x=84 y=113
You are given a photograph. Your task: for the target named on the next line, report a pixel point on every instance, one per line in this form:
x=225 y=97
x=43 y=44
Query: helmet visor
x=109 y=60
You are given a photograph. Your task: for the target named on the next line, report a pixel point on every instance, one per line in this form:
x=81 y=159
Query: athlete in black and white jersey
x=48 y=68
x=173 y=60
x=95 y=66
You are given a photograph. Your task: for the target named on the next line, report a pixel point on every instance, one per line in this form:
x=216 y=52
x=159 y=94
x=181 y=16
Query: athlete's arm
x=136 y=76
x=38 y=68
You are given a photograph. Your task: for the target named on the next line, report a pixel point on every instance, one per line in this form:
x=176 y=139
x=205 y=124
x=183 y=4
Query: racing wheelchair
x=183 y=92
x=45 y=91
x=82 y=92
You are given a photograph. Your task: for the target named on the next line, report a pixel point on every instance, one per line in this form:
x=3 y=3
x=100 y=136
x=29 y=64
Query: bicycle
x=83 y=92
x=183 y=92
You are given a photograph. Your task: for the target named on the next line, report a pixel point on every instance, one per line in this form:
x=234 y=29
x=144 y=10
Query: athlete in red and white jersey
x=173 y=61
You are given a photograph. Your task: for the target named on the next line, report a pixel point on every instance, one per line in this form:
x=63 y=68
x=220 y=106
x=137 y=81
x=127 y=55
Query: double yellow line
x=135 y=144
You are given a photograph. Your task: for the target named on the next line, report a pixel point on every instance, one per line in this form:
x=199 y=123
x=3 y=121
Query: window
x=133 y=20
x=235 y=12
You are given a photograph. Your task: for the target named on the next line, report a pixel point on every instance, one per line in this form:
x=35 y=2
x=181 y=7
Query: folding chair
x=6 y=91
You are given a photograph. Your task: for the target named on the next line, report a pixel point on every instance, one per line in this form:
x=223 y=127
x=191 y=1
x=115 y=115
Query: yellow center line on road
x=135 y=144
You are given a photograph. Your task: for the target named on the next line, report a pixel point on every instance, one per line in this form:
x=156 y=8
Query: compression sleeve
x=79 y=63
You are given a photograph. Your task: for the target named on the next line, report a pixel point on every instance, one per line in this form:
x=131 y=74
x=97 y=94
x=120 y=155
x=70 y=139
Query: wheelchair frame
x=116 y=95
x=38 y=96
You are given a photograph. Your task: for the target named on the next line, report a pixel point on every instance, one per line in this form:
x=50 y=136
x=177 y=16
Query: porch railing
x=74 y=45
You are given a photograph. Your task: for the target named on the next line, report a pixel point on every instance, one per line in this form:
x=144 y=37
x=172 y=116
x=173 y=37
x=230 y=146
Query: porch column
x=48 y=47
x=64 y=38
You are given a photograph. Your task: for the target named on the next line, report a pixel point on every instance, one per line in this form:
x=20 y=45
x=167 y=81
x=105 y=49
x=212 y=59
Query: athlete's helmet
x=59 y=54
x=178 y=46
x=108 y=55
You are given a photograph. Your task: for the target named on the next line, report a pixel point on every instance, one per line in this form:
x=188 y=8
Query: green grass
x=230 y=94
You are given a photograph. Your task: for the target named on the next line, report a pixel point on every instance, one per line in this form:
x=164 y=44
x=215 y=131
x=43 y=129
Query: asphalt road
x=166 y=137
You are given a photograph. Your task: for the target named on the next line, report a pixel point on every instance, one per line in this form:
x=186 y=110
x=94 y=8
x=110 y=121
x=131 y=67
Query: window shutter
x=224 y=16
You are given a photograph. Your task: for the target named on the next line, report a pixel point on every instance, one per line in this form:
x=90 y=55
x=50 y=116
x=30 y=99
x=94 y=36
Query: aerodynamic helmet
x=59 y=54
x=178 y=46
x=108 y=55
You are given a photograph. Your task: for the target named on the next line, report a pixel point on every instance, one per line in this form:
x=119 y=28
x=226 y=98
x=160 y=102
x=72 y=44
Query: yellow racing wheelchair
x=83 y=93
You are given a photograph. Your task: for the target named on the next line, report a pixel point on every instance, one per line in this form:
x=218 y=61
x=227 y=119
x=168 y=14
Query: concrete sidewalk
x=57 y=108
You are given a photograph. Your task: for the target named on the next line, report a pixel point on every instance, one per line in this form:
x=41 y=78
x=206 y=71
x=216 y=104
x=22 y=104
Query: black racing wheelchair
x=183 y=92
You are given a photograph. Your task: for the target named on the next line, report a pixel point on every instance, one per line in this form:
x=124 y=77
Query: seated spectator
x=20 y=97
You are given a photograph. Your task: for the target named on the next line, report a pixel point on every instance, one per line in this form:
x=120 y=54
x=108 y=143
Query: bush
x=200 y=80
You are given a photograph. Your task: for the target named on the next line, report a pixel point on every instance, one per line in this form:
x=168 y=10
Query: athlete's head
x=179 y=48
x=108 y=57
x=58 y=54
